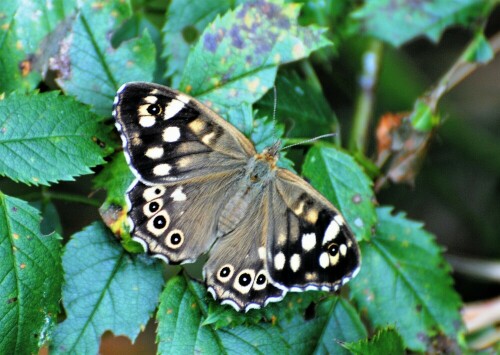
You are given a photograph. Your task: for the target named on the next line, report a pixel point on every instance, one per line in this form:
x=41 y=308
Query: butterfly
x=201 y=187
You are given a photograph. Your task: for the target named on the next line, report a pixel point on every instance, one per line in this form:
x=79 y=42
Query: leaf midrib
x=389 y=259
x=101 y=297
x=17 y=140
x=18 y=286
x=203 y=314
x=98 y=52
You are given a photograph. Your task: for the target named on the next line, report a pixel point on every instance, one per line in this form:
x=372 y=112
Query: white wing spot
x=208 y=137
x=308 y=241
x=281 y=239
x=178 y=195
x=183 y=98
x=171 y=134
x=172 y=109
x=154 y=153
x=331 y=232
x=153 y=192
x=162 y=169
x=151 y=99
x=343 y=249
x=295 y=262
x=324 y=260
x=147 y=121
x=339 y=219
x=279 y=261
x=262 y=253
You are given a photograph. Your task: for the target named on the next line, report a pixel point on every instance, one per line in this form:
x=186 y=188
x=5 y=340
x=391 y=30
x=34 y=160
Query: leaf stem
x=49 y=195
x=460 y=70
x=366 y=100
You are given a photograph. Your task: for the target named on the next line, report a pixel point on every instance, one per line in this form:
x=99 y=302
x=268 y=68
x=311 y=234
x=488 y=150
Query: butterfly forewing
x=169 y=136
x=311 y=246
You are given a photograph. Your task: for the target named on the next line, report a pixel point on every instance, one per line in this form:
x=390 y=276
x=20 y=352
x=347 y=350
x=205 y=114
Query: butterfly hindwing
x=236 y=271
x=169 y=136
x=177 y=222
x=311 y=246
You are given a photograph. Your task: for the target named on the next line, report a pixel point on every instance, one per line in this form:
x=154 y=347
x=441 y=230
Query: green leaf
x=186 y=20
x=23 y=27
x=236 y=58
x=115 y=178
x=385 y=341
x=480 y=50
x=422 y=117
x=429 y=17
x=96 y=69
x=181 y=328
x=405 y=281
x=50 y=218
x=30 y=278
x=301 y=105
x=340 y=179
x=46 y=138
x=105 y=289
x=335 y=321
x=36 y=19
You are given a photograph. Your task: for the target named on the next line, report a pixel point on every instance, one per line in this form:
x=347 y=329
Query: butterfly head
x=272 y=153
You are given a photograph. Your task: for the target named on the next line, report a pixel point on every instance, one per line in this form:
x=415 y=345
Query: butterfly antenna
x=274 y=111
x=310 y=140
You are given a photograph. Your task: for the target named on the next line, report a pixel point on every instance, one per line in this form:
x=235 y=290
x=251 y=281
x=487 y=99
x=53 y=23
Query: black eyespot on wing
x=159 y=222
x=261 y=280
x=245 y=279
x=154 y=206
x=175 y=238
x=333 y=249
x=154 y=109
x=224 y=272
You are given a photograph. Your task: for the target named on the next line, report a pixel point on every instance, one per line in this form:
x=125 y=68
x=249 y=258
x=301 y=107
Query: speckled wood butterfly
x=201 y=187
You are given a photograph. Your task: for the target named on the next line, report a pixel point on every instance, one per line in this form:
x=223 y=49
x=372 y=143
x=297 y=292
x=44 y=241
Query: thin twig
x=460 y=70
x=487 y=270
x=366 y=100
x=50 y=195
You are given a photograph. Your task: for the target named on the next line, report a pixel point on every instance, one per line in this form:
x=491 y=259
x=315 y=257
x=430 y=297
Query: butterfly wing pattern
x=202 y=188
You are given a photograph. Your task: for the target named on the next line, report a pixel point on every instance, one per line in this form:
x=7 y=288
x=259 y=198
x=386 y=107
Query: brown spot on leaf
x=169 y=311
x=98 y=5
x=99 y=142
x=25 y=67
x=15 y=236
x=22 y=266
x=12 y=300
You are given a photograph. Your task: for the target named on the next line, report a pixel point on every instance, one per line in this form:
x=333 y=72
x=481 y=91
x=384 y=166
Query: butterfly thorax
x=259 y=172
x=262 y=167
